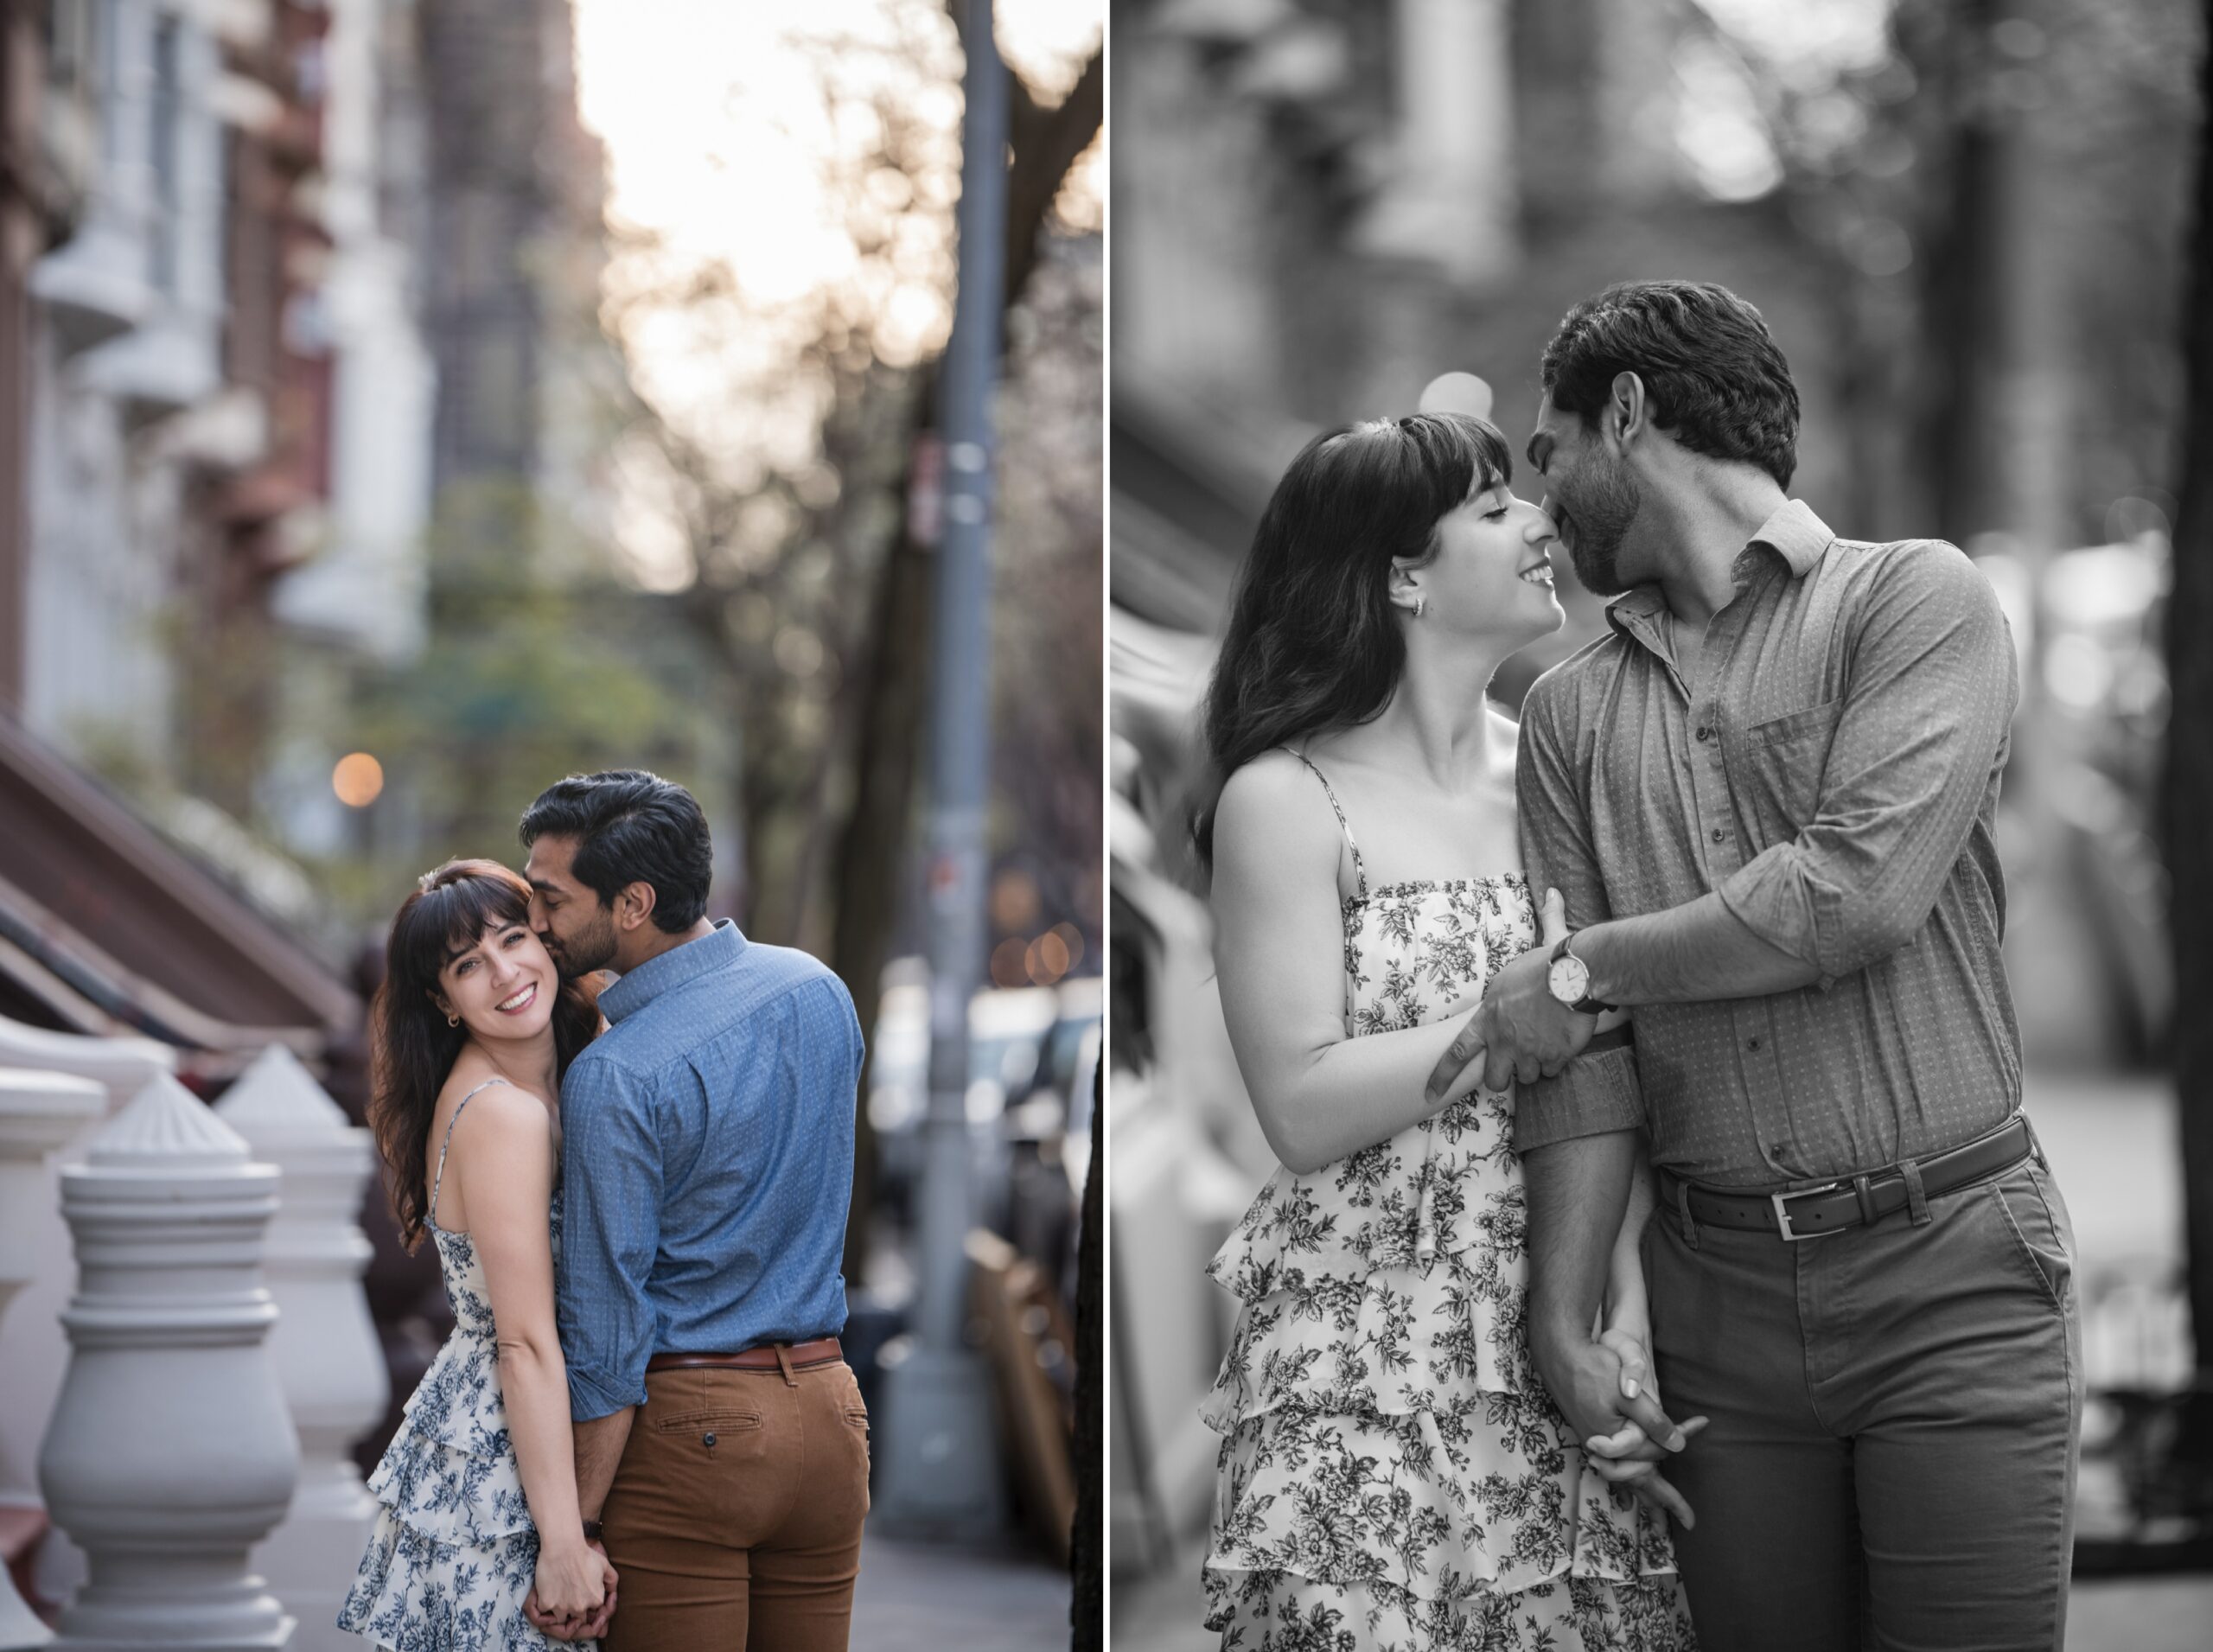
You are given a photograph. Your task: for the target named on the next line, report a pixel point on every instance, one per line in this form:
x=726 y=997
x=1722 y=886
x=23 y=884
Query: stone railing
x=327 y=1356
x=40 y=1114
x=208 y=1318
x=34 y=1352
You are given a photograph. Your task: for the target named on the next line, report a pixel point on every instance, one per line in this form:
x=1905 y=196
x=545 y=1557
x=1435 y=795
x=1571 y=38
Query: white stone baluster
x=34 y=1352
x=171 y=1453
x=325 y=1346
x=39 y=1115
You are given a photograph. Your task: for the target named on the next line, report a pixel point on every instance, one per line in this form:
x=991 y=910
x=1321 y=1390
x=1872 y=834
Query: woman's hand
x=1628 y=1458
x=572 y=1584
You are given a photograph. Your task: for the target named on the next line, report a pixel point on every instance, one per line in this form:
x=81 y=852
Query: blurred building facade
x=272 y=274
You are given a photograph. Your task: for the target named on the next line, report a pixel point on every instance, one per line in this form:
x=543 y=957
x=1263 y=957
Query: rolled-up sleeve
x=1598 y=1092
x=611 y=1182
x=1922 y=727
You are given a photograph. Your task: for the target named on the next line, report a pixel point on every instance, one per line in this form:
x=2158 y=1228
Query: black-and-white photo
x=1658 y=742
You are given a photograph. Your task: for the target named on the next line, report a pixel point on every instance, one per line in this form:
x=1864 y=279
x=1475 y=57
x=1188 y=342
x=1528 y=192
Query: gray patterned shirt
x=1833 y=780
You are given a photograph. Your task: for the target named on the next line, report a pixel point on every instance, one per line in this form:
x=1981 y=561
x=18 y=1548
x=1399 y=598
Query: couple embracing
x=642 y=1428
x=1651 y=1061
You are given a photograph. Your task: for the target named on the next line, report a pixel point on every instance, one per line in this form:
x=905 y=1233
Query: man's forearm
x=1577 y=1191
x=1697 y=951
x=599 y=1450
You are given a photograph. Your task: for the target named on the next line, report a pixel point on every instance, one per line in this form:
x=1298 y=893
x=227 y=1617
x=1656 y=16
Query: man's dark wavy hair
x=1712 y=377
x=631 y=827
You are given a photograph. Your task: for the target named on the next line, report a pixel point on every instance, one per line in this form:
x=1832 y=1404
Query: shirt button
x=1721 y=834
x=1705 y=734
x=1751 y=1043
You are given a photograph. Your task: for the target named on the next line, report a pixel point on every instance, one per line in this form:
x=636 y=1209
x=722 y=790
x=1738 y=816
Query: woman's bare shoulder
x=1273 y=807
x=495 y=1105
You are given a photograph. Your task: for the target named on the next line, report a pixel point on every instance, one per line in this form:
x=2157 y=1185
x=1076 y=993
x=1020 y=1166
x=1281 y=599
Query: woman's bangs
x=1462 y=457
x=452 y=917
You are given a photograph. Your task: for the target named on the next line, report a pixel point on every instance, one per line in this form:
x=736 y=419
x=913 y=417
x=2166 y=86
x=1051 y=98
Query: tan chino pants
x=734 y=1518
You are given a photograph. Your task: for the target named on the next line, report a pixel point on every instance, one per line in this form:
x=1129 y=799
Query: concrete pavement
x=926 y=1597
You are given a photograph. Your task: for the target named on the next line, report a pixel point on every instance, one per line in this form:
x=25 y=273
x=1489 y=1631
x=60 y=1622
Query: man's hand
x=1524 y=1031
x=1584 y=1377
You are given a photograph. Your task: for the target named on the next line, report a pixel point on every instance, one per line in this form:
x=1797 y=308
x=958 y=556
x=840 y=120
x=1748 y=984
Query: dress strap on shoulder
x=1359 y=869
x=438 y=1180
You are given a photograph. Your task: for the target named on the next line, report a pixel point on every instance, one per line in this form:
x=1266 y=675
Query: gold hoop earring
x=453 y=1021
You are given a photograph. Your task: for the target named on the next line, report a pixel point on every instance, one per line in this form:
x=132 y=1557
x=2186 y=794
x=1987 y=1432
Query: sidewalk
x=926 y=1597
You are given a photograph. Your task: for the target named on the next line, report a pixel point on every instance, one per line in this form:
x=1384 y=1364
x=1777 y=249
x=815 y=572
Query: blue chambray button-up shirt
x=706 y=1163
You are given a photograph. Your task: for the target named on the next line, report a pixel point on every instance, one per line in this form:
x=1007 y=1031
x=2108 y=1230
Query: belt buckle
x=1782 y=1216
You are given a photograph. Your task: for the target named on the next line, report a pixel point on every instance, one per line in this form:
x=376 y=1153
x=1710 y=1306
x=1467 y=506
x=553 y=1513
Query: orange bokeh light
x=1048 y=958
x=1009 y=961
x=358 y=780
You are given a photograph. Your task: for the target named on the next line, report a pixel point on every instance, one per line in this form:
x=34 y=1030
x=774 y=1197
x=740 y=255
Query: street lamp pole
x=941 y=1472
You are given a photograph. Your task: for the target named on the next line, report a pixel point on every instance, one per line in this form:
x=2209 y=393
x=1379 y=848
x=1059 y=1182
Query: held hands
x=1604 y=1386
x=573 y=1596
x=1522 y=1030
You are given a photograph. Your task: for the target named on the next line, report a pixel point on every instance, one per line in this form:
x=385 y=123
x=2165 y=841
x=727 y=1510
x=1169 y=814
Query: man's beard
x=1606 y=502
x=594 y=949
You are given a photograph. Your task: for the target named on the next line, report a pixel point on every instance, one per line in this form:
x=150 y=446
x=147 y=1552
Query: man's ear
x=1626 y=417
x=634 y=904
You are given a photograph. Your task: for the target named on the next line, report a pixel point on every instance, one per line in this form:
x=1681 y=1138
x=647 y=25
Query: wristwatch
x=592 y=1531
x=1569 y=978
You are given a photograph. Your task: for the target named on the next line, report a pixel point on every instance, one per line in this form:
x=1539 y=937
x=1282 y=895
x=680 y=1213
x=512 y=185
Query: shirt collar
x=672 y=969
x=1796 y=534
x=1793 y=533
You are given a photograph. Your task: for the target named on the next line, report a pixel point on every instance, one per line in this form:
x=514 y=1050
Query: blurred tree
x=528 y=675
x=787 y=467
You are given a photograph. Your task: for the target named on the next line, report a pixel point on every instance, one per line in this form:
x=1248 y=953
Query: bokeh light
x=1011 y=962
x=1048 y=958
x=358 y=780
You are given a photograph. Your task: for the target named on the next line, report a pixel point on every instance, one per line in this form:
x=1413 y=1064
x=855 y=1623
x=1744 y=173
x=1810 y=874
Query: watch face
x=1569 y=979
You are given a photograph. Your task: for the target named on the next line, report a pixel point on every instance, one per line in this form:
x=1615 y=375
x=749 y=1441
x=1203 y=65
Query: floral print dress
x=454 y=1552
x=1393 y=1476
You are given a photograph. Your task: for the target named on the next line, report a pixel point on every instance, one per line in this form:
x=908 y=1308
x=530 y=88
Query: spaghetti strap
x=438 y=1180
x=1359 y=869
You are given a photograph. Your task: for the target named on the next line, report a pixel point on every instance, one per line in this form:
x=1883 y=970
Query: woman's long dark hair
x=1313 y=643
x=412 y=1048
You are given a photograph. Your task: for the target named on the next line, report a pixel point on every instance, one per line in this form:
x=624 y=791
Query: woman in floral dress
x=473 y=1029
x=1393 y=1474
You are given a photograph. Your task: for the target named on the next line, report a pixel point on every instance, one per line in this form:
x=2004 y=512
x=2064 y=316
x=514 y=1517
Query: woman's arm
x=1627 y=1307
x=1279 y=951
x=505 y=1149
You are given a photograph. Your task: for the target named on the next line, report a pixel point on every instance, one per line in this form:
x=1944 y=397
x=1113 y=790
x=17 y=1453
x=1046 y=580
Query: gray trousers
x=1896 y=1412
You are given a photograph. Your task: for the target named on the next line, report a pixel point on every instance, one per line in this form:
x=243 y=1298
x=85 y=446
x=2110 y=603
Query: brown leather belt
x=768 y=1357
x=1852 y=1201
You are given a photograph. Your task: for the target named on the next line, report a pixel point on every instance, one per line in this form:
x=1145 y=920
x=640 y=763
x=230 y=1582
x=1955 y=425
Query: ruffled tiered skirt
x=454 y=1552
x=1391 y=1469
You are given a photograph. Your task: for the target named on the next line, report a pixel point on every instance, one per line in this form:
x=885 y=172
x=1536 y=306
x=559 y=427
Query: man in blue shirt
x=707 y=1165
